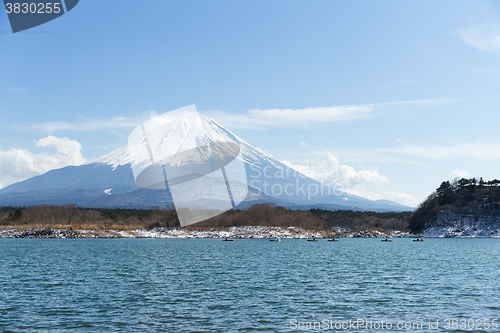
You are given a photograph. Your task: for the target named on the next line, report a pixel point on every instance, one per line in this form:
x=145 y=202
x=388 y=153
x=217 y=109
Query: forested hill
x=463 y=199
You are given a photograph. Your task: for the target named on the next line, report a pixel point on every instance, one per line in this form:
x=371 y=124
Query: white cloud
x=401 y=142
x=68 y=151
x=263 y=119
x=260 y=119
x=352 y=181
x=20 y=164
x=485 y=37
x=85 y=126
x=459 y=173
x=399 y=197
x=319 y=114
x=253 y=119
x=330 y=171
x=460 y=151
x=417 y=155
x=17 y=89
x=89 y=125
x=303 y=143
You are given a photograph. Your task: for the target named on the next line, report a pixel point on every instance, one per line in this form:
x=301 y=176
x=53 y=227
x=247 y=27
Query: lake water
x=152 y=285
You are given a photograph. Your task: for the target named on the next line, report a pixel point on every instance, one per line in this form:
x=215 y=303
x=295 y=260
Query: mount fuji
x=109 y=181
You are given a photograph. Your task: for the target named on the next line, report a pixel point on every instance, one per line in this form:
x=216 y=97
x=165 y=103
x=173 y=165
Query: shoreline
x=241 y=232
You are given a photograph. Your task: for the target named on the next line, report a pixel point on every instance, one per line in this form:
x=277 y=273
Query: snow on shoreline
x=247 y=232
x=449 y=224
x=461 y=232
x=242 y=232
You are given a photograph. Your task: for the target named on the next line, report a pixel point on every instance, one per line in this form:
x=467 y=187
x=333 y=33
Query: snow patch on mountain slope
x=172 y=138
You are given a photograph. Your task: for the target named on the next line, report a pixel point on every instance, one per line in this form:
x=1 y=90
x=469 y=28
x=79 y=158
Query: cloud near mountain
x=330 y=171
x=20 y=164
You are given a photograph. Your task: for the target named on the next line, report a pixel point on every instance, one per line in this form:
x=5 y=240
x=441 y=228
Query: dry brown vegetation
x=74 y=218
x=266 y=215
x=357 y=220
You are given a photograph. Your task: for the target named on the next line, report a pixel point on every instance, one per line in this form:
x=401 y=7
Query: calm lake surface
x=165 y=285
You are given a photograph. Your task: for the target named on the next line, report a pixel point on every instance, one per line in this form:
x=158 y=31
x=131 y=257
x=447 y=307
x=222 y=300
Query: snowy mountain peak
x=267 y=179
x=168 y=135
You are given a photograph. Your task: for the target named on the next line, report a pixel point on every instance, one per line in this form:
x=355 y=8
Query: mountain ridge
x=111 y=175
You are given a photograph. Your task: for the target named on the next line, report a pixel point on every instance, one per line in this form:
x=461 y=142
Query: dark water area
x=168 y=285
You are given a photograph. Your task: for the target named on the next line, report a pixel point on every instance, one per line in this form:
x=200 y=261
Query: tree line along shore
x=71 y=217
x=463 y=204
x=472 y=201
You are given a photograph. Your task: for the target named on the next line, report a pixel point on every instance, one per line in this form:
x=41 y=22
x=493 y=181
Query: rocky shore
x=38 y=233
x=246 y=232
x=448 y=224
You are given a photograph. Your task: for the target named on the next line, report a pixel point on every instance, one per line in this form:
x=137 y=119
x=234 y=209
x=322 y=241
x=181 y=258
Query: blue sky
x=388 y=97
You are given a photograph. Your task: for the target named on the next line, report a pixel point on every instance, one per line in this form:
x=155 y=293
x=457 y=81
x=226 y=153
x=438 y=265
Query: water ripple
x=140 y=285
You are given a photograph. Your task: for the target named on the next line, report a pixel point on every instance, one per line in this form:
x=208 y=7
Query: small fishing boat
x=386 y=240
x=227 y=240
x=312 y=240
x=275 y=239
x=418 y=240
x=333 y=240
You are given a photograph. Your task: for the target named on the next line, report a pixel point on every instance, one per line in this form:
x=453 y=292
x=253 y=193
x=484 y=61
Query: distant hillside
x=465 y=207
x=109 y=181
